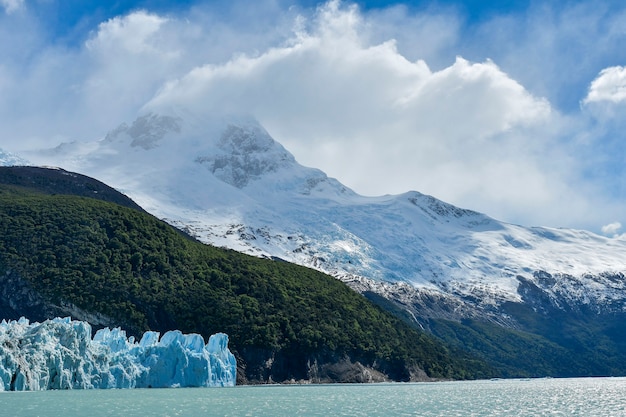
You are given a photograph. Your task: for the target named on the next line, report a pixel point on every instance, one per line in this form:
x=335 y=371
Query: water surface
x=536 y=397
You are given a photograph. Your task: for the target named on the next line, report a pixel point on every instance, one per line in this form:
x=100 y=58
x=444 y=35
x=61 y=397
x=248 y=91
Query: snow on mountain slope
x=7 y=159
x=226 y=181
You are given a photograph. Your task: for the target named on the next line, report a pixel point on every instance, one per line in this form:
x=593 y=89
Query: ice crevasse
x=60 y=354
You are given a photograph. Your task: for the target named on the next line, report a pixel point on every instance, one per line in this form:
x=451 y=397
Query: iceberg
x=60 y=354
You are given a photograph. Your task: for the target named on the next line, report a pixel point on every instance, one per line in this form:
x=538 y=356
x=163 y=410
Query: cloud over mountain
x=387 y=100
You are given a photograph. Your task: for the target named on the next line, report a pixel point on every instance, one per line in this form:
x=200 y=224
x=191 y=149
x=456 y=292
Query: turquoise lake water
x=536 y=397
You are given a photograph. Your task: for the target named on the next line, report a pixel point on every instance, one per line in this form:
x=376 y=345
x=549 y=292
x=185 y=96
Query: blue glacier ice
x=60 y=354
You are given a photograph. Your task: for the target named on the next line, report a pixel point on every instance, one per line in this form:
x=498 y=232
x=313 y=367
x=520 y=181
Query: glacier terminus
x=60 y=354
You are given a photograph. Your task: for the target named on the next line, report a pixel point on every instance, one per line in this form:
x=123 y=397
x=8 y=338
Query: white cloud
x=136 y=33
x=128 y=57
x=343 y=86
x=363 y=113
x=11 y=6
x=612 y=229
x=51 y=91
x=378 y=99
x=610 y=85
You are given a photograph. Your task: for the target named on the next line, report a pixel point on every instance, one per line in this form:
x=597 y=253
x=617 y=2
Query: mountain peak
x=245 y=153
x=227 y=182
x=146 y=131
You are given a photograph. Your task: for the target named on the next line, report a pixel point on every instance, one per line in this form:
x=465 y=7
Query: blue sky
x=74 y=17
x=516 y=109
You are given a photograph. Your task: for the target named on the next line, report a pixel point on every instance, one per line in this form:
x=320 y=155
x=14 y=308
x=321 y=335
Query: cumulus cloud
x=365 y=114
x=129 y=58
x=134 y=34
x=11 y=6
x=612 y=229
x=341 y=85
x=52 y=91
x=610 y=85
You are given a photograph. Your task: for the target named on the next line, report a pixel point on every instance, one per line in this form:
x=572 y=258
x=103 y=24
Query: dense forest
x=284 y=321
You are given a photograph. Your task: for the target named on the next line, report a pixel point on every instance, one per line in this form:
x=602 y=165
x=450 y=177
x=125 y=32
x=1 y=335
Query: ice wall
x=60 y=354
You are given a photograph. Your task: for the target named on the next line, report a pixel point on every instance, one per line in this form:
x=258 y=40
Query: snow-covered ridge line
x=60 y=354
x=228 y=183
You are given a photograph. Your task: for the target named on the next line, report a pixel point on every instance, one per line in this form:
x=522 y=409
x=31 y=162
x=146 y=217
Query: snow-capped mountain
x=226 y=181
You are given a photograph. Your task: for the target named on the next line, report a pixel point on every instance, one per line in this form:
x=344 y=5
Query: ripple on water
x=537 y=397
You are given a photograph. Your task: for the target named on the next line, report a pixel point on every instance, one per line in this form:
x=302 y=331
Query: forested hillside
x=284 y=321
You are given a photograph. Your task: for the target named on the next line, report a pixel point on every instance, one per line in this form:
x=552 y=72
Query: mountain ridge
x=228 y=183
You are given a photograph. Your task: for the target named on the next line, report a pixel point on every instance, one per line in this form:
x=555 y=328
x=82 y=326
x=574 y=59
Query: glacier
x=60 y=354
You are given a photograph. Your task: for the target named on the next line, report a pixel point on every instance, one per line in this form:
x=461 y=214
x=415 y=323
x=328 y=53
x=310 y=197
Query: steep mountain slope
x=116 y=266
x=230 y=184
x=227 y=182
